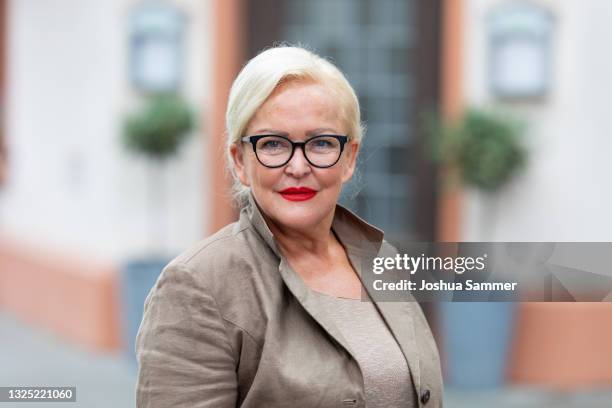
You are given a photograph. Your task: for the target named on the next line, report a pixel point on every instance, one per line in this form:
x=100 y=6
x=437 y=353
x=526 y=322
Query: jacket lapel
x=312 y=305
x=398 y=317
x=398 y=314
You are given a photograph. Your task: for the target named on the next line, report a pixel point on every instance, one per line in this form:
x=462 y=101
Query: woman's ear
x=351 y=149
x=237 y=153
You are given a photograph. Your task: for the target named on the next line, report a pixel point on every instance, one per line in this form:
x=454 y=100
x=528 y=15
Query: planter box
x=137 y=279
x=476 y=338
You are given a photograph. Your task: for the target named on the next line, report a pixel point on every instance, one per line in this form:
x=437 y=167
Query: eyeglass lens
x=321 y=151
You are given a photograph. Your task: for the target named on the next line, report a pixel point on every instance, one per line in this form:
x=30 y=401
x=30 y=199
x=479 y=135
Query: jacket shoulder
x=234 y=267
x=234 y=254
x=223 y=235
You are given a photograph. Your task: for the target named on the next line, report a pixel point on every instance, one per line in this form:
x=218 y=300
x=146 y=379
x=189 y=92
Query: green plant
x=156 y=131
x=484 y=147
x=159 y=128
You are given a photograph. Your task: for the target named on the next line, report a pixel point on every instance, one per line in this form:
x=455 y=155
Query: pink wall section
x=75 y=299
x=565 y=346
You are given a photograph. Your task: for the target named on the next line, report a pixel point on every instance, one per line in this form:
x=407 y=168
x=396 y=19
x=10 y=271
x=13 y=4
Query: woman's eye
x=272 y=145
x=321 y=144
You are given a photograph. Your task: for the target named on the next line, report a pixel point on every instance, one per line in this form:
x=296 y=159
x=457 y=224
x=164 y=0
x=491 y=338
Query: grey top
x=386 y=375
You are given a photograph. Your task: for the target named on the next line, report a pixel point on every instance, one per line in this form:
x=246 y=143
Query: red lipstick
x=298 y=193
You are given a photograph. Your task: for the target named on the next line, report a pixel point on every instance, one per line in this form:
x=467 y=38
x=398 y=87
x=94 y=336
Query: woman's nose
x=298 y=166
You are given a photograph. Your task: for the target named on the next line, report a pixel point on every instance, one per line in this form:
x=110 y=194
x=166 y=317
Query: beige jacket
x=230 y=324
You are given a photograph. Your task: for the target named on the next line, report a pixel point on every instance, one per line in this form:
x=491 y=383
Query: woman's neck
x=293 y=243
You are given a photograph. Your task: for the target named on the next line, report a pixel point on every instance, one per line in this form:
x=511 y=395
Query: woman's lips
x=298 y=193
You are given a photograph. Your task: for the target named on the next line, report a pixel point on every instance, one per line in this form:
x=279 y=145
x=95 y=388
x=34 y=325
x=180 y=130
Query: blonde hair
x=263 y=74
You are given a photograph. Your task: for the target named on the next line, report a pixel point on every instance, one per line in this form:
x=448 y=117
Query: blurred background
x=111 y=163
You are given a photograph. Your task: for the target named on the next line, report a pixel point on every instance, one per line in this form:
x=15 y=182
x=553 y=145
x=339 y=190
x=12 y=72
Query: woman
x=267 y=312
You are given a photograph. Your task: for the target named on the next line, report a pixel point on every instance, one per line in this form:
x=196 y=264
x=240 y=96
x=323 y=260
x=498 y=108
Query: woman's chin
x=300 y=217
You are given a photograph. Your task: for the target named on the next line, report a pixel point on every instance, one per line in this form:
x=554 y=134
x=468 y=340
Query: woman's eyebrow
x=309 y=133
x=271 y=132
x=318 y=131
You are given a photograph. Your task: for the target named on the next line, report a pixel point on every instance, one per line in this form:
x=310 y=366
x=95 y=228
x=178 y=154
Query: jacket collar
x=362 y=242
x=256 y=219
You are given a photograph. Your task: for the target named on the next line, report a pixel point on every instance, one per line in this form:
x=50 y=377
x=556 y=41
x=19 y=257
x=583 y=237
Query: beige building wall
x=72 y=187
x=564 y=194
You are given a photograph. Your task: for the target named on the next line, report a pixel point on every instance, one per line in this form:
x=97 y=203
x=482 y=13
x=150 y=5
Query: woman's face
x=298 y=110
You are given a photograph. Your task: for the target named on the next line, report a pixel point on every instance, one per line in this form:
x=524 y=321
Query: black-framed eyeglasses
x=273 y=151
